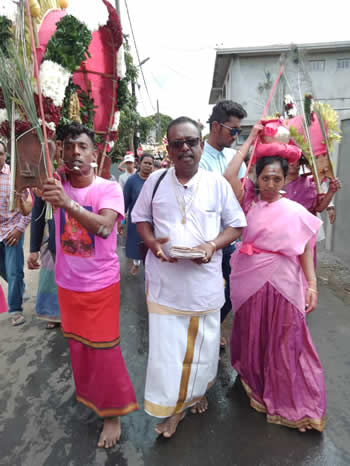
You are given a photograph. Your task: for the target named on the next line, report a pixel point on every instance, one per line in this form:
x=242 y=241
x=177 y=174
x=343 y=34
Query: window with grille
x=343 y=64
x=317 y=65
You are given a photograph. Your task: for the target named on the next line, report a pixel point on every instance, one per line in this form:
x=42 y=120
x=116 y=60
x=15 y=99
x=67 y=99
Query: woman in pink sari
x=302 y=188
x=274 y=287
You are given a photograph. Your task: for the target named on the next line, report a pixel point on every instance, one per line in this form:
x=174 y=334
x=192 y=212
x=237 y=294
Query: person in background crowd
x=131 y=192
x=157 y=164
x=129 y=164
x=46 y=304
x=190 y=207
x=12 y=227
x=302 y=188
x=88 y=281
x=225 y=127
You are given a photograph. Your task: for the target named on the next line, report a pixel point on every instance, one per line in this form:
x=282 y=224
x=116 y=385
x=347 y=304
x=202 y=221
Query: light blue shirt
x=215 y=161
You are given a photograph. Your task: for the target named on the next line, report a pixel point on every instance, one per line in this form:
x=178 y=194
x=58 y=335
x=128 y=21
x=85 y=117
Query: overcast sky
x=180 y=38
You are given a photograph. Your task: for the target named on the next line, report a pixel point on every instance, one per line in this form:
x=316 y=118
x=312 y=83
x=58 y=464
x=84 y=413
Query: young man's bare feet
x=201 y=406
x=110 y=434
x=169 y=426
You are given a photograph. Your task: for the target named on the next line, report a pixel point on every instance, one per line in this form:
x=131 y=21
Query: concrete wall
x=246 y=73
x=338 y=236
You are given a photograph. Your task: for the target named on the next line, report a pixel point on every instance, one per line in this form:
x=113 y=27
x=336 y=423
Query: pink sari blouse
x=277 y=233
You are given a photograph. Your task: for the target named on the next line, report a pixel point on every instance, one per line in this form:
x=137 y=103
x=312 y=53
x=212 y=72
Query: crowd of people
x=254 y=240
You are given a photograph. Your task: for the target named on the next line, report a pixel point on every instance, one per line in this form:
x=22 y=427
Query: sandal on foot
x=17 y=319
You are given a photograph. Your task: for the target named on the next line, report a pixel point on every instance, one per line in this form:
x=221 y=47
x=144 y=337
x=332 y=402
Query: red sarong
x=91 y=322
x=91 y=317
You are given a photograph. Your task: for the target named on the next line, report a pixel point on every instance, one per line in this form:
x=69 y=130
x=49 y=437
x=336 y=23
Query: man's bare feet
x=134 y=269
x=169 y=426
x=110 y=434
x=201 y=406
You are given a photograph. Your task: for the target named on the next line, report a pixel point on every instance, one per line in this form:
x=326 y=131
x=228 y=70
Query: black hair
x=224 y=110
x=74 y=130
x=261 y=164
x=146 y=154
x=4 y=145
x=181 y=120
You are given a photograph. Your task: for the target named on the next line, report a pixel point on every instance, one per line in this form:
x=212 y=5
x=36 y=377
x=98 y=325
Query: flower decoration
x=3 y=116
x=290 y=107
x=121 y=66
x=8 y=8
x=87 y=13
x=54 y=80
x=116 y=121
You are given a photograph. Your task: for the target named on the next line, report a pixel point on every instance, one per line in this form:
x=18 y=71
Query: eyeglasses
x=178 y=143
x=234 y=131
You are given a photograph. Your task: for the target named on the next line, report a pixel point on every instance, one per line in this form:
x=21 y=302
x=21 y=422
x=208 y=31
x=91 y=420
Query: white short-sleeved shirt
x=185 y=285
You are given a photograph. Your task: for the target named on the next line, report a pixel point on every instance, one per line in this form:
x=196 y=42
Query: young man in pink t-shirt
x=87 y=275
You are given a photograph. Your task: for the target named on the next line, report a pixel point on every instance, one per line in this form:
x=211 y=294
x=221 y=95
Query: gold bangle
x=213 y=244
x=312 y=290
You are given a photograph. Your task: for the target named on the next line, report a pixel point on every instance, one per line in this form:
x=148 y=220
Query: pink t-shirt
x=85 y=262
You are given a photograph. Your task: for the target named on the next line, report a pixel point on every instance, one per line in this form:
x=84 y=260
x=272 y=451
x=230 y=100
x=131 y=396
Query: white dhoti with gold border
x=183 y=358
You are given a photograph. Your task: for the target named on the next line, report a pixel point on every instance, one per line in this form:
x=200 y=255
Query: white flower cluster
x=3 y=115
x=50 y=125
x=54 y=80
x=87 y=12
x=116 y=121
x=289 y=101
x=121 y=66
x=8 y=8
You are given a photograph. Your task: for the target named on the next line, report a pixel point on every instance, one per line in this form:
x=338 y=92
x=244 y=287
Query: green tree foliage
x=5 y=34
x=149 y=125
x=127 y=104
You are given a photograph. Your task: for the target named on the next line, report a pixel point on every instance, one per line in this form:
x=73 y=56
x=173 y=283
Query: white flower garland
x=3 y=115
x=54 y=80
x=8 y=8
x=87 y=12
x=288 y=100
x=50 y=125
x=121 y=66
x=116 y=121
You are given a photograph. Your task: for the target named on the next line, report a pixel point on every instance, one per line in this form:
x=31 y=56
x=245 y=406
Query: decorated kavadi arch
x=60 y=61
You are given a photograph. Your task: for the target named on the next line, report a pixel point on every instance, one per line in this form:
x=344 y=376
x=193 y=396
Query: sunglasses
x=178 y=143
x=234 y=131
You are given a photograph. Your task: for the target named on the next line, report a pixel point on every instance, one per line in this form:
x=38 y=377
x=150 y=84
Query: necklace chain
x=180 y=198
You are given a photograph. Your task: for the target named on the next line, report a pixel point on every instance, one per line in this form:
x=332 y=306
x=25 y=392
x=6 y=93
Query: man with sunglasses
x=189 y=207
x=225 y=127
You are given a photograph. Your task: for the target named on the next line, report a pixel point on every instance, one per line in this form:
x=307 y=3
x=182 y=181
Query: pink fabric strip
x=263 y=116
x=250 y=249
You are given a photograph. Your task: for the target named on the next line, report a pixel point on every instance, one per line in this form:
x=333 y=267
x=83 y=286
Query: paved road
x=42 y=425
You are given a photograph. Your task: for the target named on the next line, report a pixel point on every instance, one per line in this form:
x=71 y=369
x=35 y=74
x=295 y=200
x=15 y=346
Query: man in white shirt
x=225 y=127
x=190 y=207
x=129 y=163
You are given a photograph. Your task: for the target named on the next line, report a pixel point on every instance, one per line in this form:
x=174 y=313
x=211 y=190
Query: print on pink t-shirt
x=85 y=262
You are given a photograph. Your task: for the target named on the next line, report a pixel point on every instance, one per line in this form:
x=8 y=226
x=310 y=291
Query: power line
x=137 y=53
